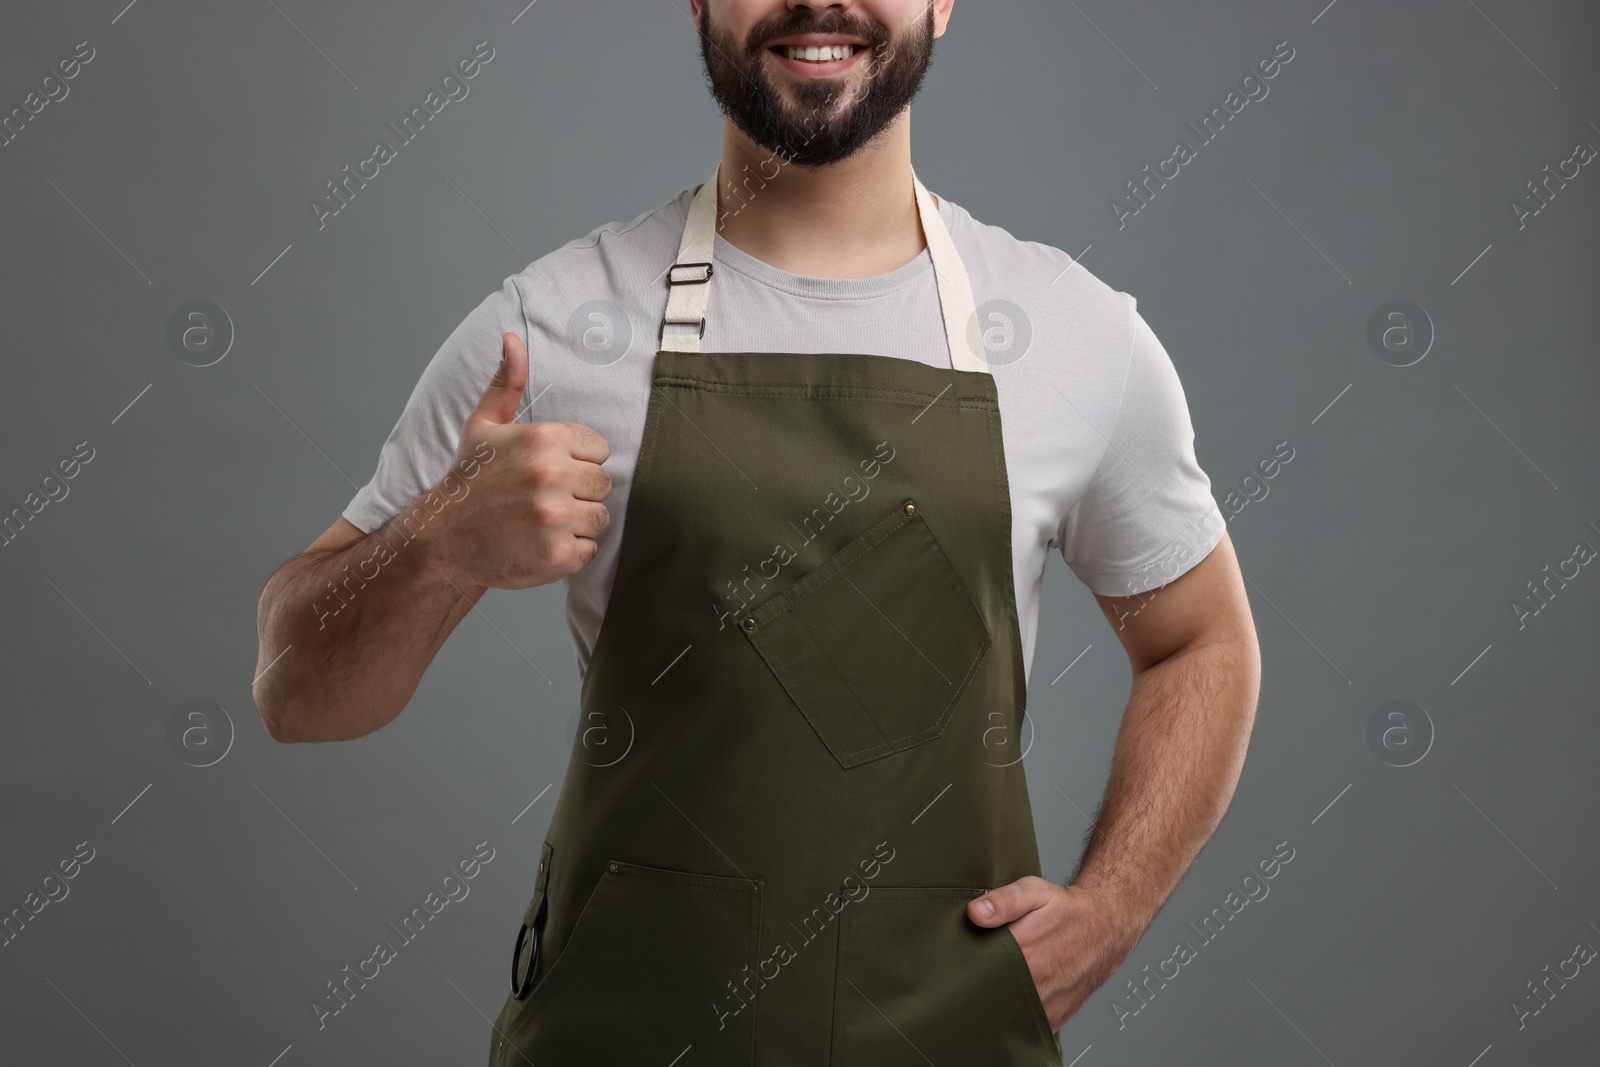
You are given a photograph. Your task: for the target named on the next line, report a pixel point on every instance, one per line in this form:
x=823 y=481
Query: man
x=840 y=485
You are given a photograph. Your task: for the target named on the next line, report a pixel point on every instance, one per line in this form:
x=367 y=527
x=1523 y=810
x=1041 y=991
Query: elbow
x=281 y=723
x=291 y=720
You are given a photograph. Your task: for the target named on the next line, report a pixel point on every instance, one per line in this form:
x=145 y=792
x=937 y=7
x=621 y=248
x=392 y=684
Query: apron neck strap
x=689 y=279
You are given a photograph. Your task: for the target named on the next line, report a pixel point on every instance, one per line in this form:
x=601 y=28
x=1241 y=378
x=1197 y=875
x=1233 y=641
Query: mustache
x=876 y=34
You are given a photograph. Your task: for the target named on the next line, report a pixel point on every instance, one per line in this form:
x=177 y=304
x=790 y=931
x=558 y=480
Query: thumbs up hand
x=535 y=505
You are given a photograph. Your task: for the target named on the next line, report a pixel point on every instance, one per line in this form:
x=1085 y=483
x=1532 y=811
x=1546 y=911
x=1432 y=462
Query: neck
x=853 y=219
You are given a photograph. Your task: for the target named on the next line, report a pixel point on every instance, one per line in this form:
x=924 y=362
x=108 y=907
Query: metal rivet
x=541 y=865
x=749 y=623
x=910 y=508
x=613 y=868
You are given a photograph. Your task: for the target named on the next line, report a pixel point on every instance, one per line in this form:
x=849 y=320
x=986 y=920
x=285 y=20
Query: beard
x=826 y=121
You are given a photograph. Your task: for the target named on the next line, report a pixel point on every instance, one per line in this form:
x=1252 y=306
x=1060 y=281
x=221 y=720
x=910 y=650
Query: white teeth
x=813 y=54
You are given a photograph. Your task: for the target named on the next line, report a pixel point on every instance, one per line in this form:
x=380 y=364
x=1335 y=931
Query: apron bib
x=801 y=740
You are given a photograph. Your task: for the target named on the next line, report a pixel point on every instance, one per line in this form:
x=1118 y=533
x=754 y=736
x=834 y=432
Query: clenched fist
x=535 y=507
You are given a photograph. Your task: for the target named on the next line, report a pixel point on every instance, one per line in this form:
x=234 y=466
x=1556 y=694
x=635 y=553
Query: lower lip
x=806 y=69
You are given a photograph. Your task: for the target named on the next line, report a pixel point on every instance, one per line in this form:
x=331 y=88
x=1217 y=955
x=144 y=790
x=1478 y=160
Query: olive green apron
x=799 y=755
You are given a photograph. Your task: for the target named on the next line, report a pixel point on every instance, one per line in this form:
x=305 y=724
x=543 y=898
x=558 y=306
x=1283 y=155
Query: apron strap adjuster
x=673 y=279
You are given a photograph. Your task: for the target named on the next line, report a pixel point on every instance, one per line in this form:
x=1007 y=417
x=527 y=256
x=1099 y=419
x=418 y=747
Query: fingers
x=585 y=443
x=589 y=519
x=592 y=482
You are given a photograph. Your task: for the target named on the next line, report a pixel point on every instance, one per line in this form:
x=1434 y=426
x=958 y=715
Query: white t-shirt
x=1098 y=443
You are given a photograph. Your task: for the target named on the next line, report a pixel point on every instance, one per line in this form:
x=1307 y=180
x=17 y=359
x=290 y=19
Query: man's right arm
x=348 y=627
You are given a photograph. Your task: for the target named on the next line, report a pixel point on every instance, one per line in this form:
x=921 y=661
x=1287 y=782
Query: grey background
x=1382 y=563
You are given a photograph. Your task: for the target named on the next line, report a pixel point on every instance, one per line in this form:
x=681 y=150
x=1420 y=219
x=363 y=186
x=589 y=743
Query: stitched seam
x=890 y=745
x=796 y=593
x=1025 y=982
x=1009 y=594
x=896 y=892
x=827 y=392
x=699 y=881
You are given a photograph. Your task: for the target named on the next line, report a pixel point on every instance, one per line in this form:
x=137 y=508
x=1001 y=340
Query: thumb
x=498 y=405
x=1002 y=905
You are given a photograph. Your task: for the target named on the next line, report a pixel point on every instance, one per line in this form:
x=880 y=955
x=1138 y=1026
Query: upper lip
x=818 y=40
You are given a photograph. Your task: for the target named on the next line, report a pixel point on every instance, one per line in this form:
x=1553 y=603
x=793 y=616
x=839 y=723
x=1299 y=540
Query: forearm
x=1178 y=757
x=346 y=634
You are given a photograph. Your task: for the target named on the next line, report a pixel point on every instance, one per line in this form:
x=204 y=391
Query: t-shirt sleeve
x=1147 y=514
x=419 y=450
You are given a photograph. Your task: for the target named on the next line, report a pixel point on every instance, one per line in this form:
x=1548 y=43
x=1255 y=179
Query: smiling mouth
x=814 y=53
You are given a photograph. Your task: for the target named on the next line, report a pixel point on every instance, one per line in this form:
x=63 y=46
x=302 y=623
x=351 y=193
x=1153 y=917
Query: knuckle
x=542 y=475
x=550 y=513
x=544 y=434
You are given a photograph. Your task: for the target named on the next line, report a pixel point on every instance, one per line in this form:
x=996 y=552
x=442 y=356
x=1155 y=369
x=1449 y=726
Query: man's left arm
x=1196 y=678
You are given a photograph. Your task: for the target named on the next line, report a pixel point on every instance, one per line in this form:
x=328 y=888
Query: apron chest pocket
x=877 y=645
